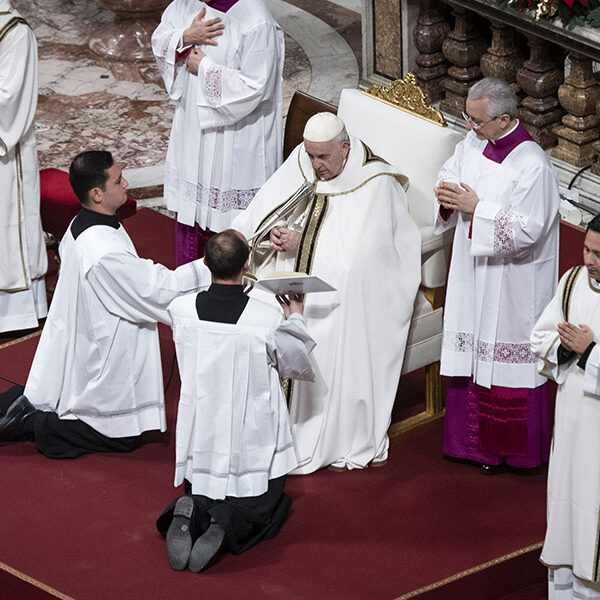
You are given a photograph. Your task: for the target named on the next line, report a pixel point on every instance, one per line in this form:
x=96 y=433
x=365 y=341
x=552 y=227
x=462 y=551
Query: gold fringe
x=34 y=582
x=481 y=567
x=21 y=339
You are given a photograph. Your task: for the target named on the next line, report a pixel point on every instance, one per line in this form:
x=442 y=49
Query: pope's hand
x=284 y=239
x=457 y=197
x=193 y=60
x=574 y=338
x=202 y=32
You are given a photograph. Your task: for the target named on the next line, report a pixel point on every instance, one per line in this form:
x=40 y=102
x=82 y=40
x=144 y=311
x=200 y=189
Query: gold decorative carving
x=406 y=95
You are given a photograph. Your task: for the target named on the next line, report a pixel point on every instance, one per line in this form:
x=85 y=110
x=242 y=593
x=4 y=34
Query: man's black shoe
x=179 y=538
x=492 y=469
x=11 y=423
x=205 y=548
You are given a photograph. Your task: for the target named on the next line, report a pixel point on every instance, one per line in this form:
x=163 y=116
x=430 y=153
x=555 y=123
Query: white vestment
x=23 y=260
x=501 y=277
x=357 y=235
x=226 y=139
x=233 y=428
x=573 y=531
x=98 y=359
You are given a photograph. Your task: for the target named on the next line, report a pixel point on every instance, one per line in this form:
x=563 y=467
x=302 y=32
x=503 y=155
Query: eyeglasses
x=474 y=125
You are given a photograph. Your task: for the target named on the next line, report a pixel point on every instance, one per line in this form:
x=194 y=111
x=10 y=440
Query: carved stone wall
x=450 y=44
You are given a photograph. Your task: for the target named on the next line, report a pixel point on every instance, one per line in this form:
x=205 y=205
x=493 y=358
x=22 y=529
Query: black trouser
x=64 y=438
x=246 y=521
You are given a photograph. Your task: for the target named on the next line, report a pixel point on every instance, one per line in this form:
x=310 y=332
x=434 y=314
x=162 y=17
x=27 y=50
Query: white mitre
x=323 y=127
x=4 y=6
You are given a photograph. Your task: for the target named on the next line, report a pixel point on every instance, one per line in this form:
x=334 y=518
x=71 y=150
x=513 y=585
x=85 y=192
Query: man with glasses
x=500 y=194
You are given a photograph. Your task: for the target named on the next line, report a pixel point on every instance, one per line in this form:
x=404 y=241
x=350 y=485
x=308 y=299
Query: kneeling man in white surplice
x=565 y=341
x=96 y=382
x=336 y=210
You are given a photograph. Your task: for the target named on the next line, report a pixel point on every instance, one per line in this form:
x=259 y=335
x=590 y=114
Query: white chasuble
x=573 y=531
x=23 y=260
x=98 y=359
x=357 y=235
x=233 y=429
x=226 y=139
x=504 y=264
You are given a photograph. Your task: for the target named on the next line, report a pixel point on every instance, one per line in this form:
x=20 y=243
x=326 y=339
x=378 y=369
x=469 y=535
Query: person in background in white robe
x=234 y=443
x=499 y=192
x=565 y=340
x=96 y=379
x=222 y=64
x=23 y=259
x=337 y=210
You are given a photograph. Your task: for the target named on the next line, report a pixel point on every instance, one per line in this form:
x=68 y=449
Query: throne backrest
x=416 y=147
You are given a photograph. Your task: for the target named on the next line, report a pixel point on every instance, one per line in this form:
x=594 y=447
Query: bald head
x=226 y=255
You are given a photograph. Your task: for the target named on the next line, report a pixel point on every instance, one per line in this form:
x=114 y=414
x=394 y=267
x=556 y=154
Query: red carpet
x=86 y=527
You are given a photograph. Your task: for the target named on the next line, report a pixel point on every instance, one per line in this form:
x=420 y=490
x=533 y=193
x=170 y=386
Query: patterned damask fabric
x=213 y=87
x=500 y=352
x=504 y=243
x=222 y=200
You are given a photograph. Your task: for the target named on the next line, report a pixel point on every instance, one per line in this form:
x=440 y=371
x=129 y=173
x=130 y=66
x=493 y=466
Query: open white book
x=284 y=282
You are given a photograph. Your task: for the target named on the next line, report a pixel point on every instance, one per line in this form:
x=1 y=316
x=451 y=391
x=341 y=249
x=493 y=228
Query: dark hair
x=226 y=254
x=594 y=224
x=89 y=170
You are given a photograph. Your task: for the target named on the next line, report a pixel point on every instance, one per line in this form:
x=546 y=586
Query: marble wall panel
x=387 y=36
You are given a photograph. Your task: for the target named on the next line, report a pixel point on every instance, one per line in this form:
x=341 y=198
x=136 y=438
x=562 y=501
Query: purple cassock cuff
x=499 y=150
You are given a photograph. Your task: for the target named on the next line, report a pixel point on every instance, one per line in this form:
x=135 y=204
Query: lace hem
x=215 y=198
x=500 y=352
x=504 y=243
x=213 y=85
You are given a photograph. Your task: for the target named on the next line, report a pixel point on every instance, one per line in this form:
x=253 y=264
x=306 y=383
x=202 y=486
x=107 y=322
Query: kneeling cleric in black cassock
x=96 y=379
x=234 y=444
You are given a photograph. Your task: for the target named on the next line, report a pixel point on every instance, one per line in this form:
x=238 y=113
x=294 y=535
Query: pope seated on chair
x=234 y=443
x=337 y=210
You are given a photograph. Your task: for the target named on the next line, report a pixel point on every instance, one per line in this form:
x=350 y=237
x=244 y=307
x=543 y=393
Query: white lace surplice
x=226 y=138
x=502 y=277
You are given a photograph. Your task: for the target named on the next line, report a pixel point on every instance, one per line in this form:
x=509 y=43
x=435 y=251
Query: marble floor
x=87 y=102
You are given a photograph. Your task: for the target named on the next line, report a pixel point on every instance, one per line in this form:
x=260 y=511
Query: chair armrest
x=434 y=256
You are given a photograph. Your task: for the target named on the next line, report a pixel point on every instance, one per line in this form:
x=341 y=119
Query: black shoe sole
x=179 y=538
x=206 y=547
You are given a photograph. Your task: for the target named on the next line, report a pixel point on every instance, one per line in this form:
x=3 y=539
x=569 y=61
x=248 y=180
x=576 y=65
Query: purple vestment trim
x=222 y=5
x=189 y=242
x=499 y=150
x=470 y=406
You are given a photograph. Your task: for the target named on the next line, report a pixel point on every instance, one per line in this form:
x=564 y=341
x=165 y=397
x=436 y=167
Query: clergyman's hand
x=292 y=303
x=284 y=239
x=202 y=32
x=457 y=197
x=574 y=338
x=193 y=60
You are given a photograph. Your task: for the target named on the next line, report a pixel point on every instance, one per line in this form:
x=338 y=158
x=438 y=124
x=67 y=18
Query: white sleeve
x=140 y=290
x=545 y=341
x=226 y=95
x=451 y=173
x=291 y=349
x=512 y=231
x=166 y=42
x=591 y=383
x=18 y=86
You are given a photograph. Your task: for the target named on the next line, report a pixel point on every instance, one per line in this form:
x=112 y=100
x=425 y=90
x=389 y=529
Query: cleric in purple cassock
x=499 y=192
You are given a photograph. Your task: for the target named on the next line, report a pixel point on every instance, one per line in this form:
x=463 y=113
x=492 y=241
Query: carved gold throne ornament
x=406 y=95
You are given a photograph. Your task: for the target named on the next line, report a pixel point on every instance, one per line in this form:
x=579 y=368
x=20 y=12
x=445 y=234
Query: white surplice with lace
x=501 y=277
x=226 y=138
